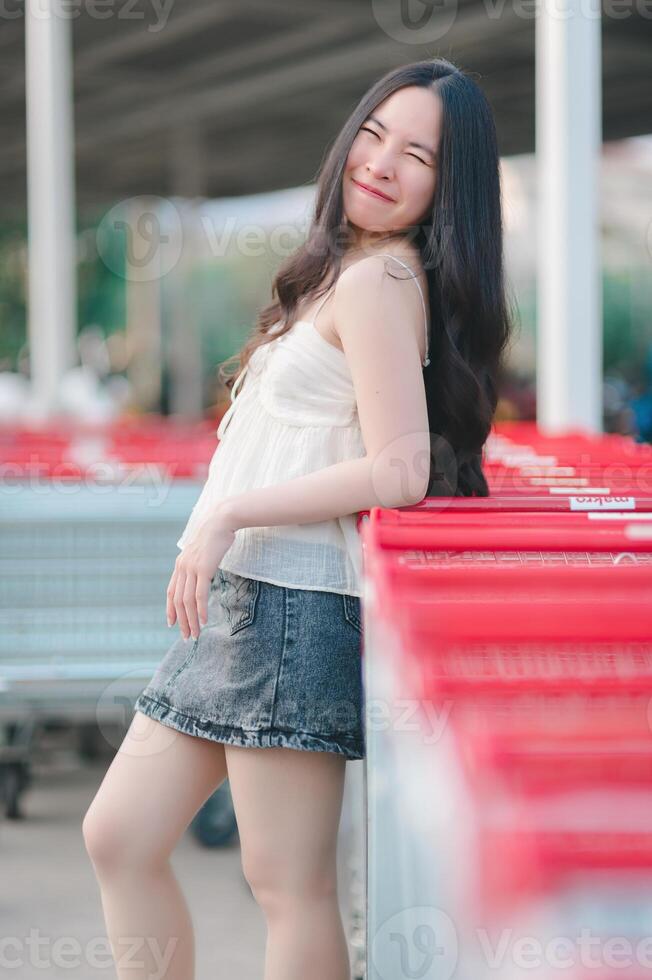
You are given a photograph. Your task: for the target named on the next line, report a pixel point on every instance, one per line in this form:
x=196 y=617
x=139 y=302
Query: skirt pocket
x=352 y=612
x=238 y=597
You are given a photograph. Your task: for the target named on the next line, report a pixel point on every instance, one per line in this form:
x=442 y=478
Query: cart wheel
x=215 y=824
x=15 y=777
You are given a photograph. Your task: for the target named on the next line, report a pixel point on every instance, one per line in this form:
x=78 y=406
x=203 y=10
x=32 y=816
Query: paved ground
x=49 y=890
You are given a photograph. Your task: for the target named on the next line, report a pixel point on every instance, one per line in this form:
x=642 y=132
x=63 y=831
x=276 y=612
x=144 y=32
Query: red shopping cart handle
x=522 y=503
x=554 y=538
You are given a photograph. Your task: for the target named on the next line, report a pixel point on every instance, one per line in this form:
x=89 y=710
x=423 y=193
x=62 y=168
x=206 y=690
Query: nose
x=380 y=164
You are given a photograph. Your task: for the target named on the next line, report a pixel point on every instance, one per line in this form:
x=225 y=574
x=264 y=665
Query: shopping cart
x=88 y=541
x=521 y=644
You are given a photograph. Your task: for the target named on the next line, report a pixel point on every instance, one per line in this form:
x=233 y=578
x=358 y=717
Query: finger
x=179 y=606
x=201 y=597
x=169 y=606
x=190 y=604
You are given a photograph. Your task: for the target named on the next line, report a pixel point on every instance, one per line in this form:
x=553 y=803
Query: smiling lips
x=373 y=192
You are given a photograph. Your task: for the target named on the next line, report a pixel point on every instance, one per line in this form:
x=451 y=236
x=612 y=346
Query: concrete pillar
x=52 y=254
x=568 y=147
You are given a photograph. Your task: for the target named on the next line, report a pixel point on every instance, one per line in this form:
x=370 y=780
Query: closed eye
x=366 y=129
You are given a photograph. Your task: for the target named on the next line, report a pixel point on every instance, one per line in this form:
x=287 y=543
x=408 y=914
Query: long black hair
x=460 y=243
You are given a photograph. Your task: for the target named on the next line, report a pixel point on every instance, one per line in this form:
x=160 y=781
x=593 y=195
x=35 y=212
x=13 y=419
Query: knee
x=104 y=842
x=111 y=843
x=277 y=885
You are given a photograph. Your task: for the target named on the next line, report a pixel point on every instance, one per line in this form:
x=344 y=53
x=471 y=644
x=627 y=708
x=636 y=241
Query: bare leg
x=288 y=805
x=155 y=784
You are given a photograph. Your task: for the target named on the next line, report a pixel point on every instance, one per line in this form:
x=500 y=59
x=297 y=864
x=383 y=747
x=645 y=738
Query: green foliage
x=100 y=283
x=100 y=291
x=13 y=285
x=619 y=339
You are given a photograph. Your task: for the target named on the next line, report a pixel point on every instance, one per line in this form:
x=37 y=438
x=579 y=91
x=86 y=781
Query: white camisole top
x=296 y=413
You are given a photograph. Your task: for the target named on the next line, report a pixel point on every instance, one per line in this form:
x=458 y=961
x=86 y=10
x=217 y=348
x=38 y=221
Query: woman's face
x=394 y=153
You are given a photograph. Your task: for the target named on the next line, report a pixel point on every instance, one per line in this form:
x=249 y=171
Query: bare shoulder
x=391 y=263
x=377 y=287
x=409 y=254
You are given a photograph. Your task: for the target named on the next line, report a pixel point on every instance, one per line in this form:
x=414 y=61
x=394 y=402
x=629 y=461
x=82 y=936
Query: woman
x=377 y=359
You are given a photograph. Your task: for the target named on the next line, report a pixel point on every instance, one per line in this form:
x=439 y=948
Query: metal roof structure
x=229 y=97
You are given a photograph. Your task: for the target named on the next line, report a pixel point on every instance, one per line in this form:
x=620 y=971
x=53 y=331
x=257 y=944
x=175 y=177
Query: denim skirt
x=273 y=666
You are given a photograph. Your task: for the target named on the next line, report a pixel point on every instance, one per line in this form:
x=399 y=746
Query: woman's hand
x=194 y=569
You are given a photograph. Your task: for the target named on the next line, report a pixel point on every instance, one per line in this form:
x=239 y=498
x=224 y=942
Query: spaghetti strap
x=425 y=313
x=238 y=381
x=224 y=421
x=239 y=378
x=416 y=282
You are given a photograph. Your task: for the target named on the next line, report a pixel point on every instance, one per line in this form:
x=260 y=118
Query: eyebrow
x=421 y=146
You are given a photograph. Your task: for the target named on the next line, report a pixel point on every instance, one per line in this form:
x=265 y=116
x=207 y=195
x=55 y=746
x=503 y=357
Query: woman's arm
x=332 y=491
x=378 y=319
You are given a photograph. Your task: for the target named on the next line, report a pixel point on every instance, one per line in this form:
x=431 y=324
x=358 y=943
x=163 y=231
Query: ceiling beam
x=356 y=60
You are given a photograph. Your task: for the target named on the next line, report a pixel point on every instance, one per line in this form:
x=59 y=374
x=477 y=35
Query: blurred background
x=192 y=134
x=158 y=163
